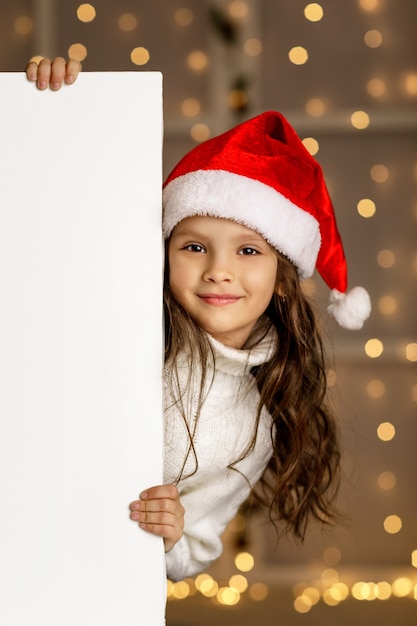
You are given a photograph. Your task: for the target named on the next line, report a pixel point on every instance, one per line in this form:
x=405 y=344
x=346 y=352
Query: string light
x=375 y=389
x=315 y=107
x=386 y=431
x=311 y=144
x=238 y=9
x=298 y=55
x=190 y=107
x=366 y=207
x=379 y=173
x=23 y=25
x=183 y=17
x=374 y=348
x=200 y=132
x=140 y=56
x=197 y=60
x=376 y=87
x=387 y=305
x=127 y=22
x=86 y=12
x=373 y=38
x=313 y=12
x=253 y=47
x=360 y=120
x=386 y=481
x=386 y=258
x=77 y=51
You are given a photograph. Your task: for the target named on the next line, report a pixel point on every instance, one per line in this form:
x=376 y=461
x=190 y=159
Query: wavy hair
x=301 y=479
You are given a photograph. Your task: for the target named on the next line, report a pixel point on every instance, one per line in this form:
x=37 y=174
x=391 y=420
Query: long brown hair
x=301 y=479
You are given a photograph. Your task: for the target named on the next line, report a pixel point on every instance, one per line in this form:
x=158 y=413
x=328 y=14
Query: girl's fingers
x=53 y=73
x=73 y=68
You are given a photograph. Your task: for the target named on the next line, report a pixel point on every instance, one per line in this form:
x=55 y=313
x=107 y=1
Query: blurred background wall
x=344 y=72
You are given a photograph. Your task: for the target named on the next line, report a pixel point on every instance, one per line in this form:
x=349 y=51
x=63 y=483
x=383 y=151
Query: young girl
x=246 y=217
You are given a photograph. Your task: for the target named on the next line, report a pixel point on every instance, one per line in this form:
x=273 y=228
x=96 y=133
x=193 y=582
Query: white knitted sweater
x=212 y=494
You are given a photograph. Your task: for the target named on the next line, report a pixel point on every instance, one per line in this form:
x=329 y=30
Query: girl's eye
x=194 y=247
x=247 y=251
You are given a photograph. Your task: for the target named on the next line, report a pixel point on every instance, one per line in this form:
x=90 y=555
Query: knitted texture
x=212 y=494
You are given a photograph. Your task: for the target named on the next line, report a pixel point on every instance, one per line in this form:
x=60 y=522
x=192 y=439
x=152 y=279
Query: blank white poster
x=80 y=350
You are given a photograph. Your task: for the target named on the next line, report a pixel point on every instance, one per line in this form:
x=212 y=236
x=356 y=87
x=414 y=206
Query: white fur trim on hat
x=219 y=193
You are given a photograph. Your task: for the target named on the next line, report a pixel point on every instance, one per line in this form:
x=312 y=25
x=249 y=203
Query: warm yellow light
x=180 y=590
x=244 y=561
x=360 y=120
x=332 y=556
x=208 y=587
x=387 y=305
x=360 y=590
x=402 y=587
x=238 y=9
x=383 y=590
x=411 y=352
x=253 y=47
x=23 y=25
x=86 y=12
x=375 y=389
x=374 y=348
x=37 y=58
x=313 y=12
x=197 y=60
x=386 y=431
x=330 y=597
x=311 y=144
x=414 y=558
x=302 y=604
x=392 y=524
x=77 y=51
x=228 y=596
x=258 y=592
x=410 y=84
x=170 y=587
x=183 y=17
x=190 y=107
x=385 y=258
x=298 y=55
x=379 y=173
x=140 y=56
x=386 y=481
x=238 y=582
x=368 y=5
x=366 y=207
x=312 y=593
x=340 y=591
x=376 y=87
x=200 y=132
x=201 y=578
x=315 y=107
x=127 y=22
x=329 y=577
x=373 y=38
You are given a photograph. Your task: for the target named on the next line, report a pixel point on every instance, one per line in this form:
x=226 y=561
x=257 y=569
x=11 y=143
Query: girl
x=246 y=217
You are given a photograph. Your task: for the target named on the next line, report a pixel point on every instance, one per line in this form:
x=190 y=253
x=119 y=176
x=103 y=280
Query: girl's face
x=223 y=274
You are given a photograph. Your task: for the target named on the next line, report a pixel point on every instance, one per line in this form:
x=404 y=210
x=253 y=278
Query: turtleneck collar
x=239 y=362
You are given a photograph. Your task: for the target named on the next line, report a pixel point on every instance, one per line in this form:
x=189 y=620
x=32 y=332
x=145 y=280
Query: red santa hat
x=260 y=174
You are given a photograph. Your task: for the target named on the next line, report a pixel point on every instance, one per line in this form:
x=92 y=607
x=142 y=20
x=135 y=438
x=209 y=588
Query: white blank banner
x=80 y=350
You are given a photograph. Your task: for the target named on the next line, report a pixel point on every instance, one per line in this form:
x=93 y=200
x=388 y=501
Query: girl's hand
x=53 y=73
x=159 y=511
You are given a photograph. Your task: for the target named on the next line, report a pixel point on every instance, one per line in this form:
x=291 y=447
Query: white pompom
x=350 y=309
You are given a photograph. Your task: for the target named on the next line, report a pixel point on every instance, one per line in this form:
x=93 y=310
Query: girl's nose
x=217 y=271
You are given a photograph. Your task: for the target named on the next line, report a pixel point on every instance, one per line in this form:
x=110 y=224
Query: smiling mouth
x=219 y=300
